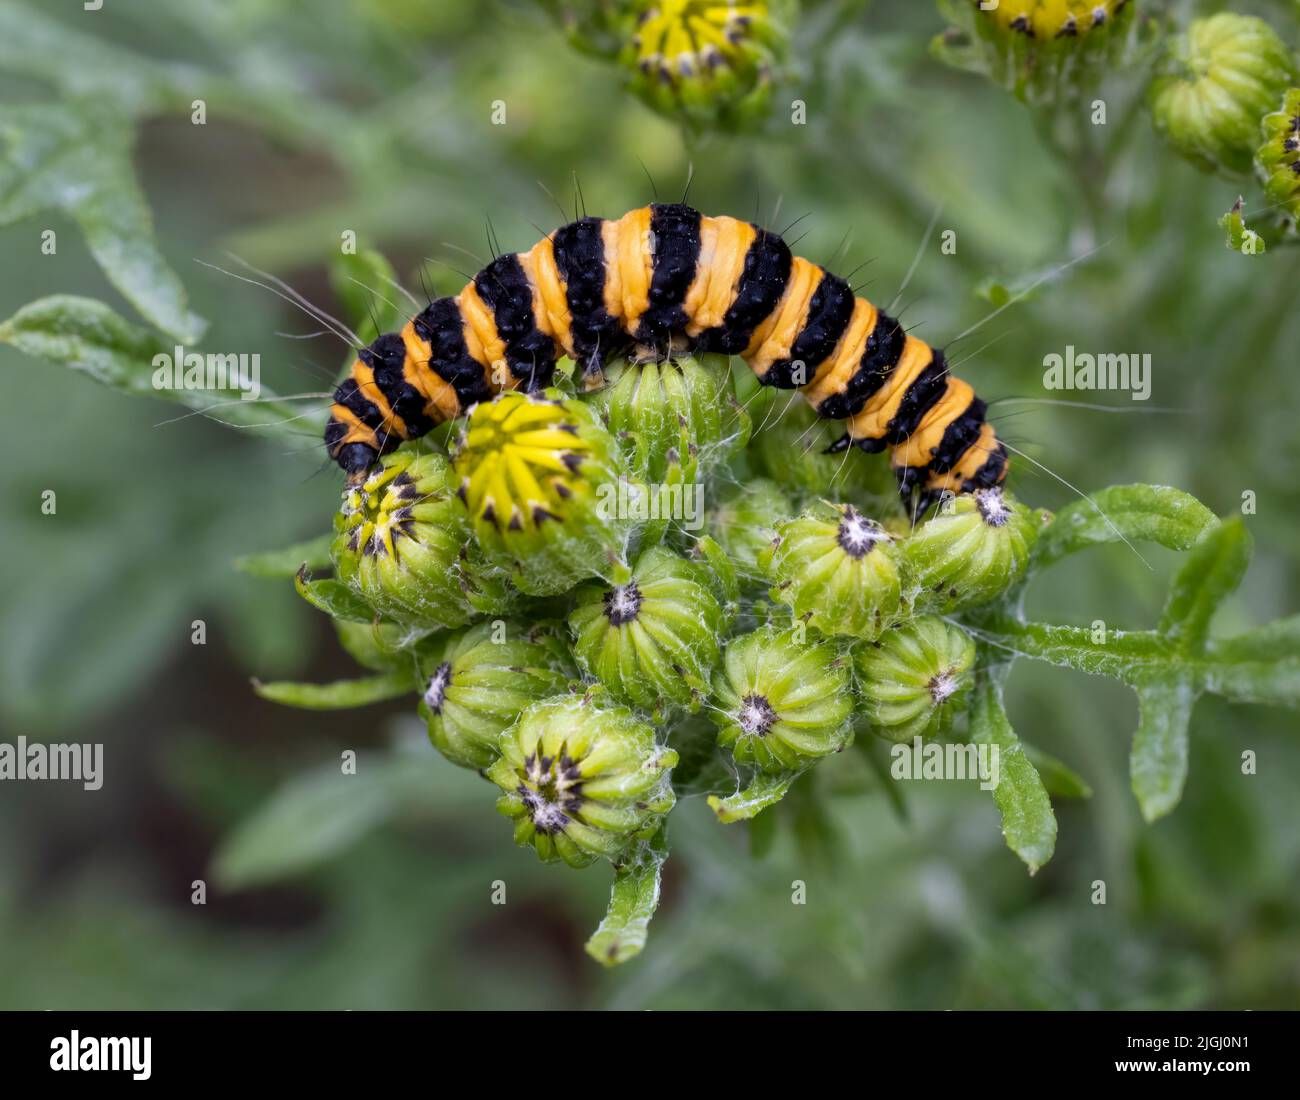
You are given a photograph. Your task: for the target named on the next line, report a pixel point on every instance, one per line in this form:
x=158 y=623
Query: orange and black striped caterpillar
x=666 y=278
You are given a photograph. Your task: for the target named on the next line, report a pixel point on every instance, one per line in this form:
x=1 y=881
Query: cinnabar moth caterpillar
x=667 y=278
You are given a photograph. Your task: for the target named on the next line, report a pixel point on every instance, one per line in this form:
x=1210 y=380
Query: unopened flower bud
x=1218 y=81
x=837 y=570
x=401 y=542
x=476 y=682
x=915 y=678
x=781 y=702
x=744 y=523
x=539 y=477
x=670 y=413
x=708 y=60
x=971 y=550
x=653 y=636
x=582 y=779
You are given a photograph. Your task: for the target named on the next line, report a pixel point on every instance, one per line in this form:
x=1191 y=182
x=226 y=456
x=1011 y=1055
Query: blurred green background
x=375 y=116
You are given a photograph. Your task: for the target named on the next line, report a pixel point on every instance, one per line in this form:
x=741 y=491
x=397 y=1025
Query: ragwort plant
x=798 y=610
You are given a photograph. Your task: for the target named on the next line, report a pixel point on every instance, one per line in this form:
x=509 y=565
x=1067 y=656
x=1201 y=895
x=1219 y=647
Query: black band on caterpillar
x=670 y=279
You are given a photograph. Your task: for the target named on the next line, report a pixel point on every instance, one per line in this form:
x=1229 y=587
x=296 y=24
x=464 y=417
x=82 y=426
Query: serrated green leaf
x=1152 y=513
x=1212 y=571
x=308 y=820
x=340 y=695
x=1158 y=760
x=312 y=553
x=76 y=158
x=763 y=791
x=1060 y=780
x=632 y=902
x=334 y=598
x=86 y=335
x=1028 y=823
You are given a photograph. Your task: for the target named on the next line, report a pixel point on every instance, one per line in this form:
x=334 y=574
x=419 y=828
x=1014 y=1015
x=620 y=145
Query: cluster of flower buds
x=567 y=648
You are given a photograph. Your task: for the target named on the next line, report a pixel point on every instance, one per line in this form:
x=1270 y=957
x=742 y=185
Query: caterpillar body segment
x=666 y=278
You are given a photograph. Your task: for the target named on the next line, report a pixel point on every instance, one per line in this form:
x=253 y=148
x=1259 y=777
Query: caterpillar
x=666 y=279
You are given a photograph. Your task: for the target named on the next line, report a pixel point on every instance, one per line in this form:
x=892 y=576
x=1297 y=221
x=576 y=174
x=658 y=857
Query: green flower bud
x=971 y=550
x=914 y=679
x=652 y=637
x=782 y=703
x=1218 y=80
x=709 y=60
x=744 y=523
x=1279 y=158
x=671 y=413
x=582 y=779
x=540 y=477
x=401 y=542
x=835 y=569
x=476 y=682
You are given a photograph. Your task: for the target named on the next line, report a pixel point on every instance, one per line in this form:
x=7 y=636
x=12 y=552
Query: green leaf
x=632 y=902
x=308 y=820
x=1060 y=779
x=763 y=791
x=1212 y=571
x=340 y=695
x=1122 y=653
x=1274 y=683
x=1028 y=823
x=310 y=553
x=86 y=335
x=334 y=598
x=76 y=158
x=1154 y=513
x=1158 y=760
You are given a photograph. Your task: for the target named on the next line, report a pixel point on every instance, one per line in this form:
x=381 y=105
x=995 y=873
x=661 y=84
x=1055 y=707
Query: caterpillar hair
x=669 y=279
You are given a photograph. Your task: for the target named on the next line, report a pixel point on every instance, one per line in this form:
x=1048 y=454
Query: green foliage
x=106 y=601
